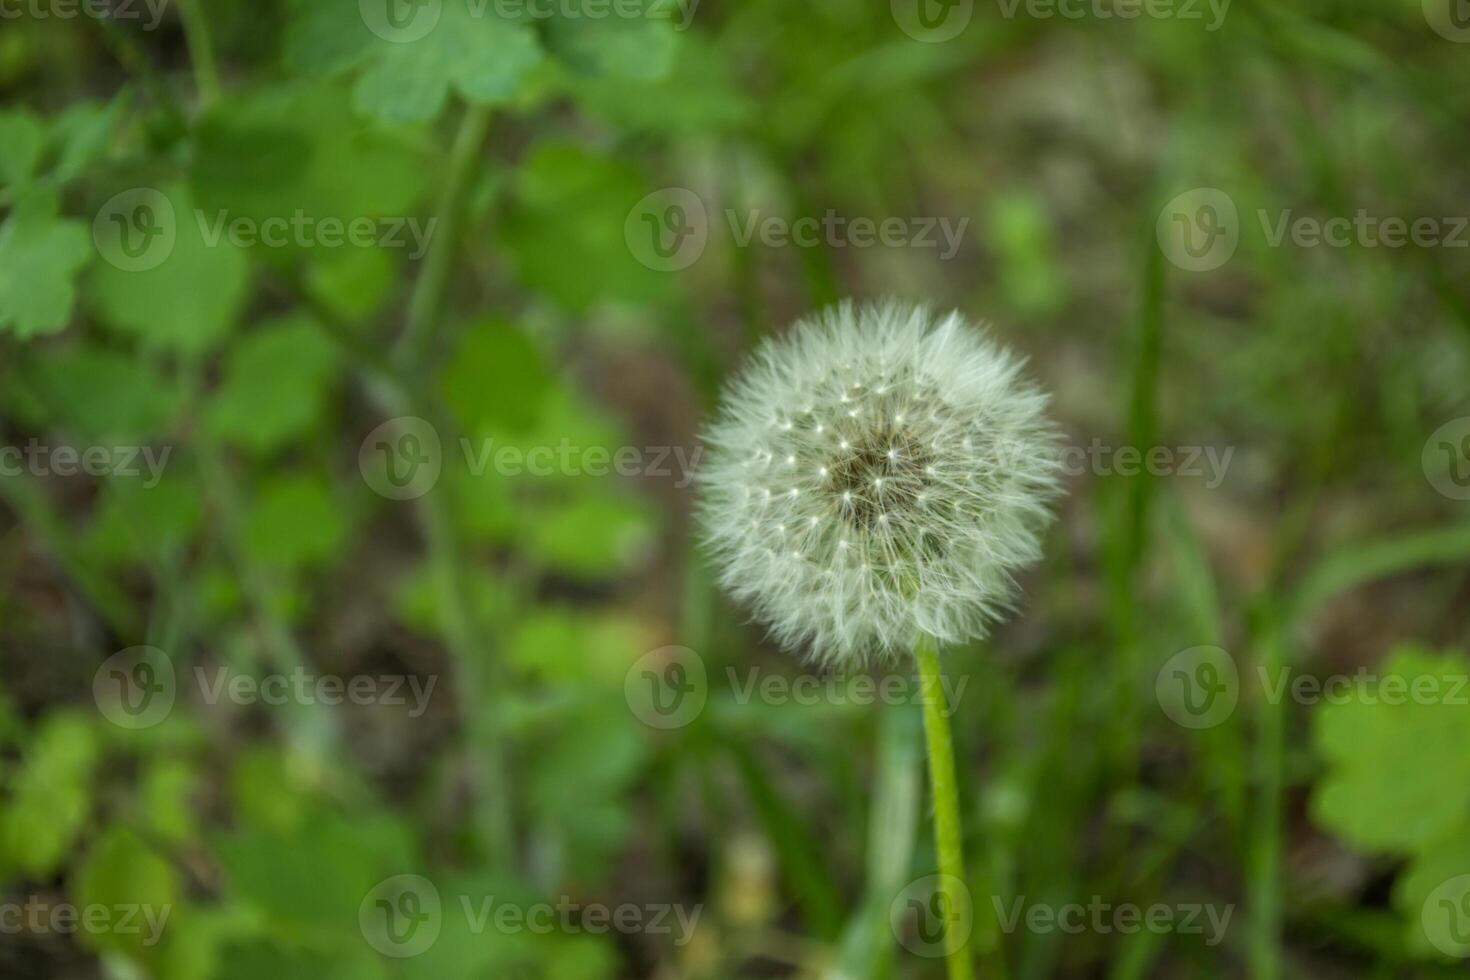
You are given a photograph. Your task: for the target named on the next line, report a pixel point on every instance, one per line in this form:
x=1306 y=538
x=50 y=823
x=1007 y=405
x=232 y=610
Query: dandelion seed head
x=921 y=468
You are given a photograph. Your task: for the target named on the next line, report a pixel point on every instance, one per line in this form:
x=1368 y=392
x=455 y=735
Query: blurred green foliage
x=511 y=311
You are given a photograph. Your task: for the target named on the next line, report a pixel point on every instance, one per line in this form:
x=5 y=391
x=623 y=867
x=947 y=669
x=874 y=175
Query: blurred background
x=352 y=360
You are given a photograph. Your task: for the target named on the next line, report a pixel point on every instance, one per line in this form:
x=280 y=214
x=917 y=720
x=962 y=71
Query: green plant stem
x=426 y=305
x=947 y=839
x=201 y=51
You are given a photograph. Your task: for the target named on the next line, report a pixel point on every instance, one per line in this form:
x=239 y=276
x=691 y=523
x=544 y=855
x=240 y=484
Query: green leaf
x=497 y=380
x=296 y=154
x=121 y=872
x=24 y=138
x=1433 y=894
x=80 y=135
x=566 y=229
x=40 y=256
x=567 y=647
x=294 y=521
x=596 y=534
x=1398 y=767
x=50 y=796
x=596 y=45
x=98 y=393
x=189 y=291
x=276 y=384
x=138 y=522
x=167 y=786
x=694 y=96
x=409 y=70
x=310 y=882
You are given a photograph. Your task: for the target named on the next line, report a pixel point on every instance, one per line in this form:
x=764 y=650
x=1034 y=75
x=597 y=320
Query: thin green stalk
x=426 y=305
x=947 y=839
x=201 y=51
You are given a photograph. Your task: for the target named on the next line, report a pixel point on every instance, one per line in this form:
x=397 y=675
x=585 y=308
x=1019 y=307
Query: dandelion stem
x=947 y=839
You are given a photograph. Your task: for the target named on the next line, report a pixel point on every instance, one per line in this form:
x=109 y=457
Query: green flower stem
x=946 y=792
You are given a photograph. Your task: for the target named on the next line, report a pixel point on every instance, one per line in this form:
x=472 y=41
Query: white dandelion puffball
x=875 y=473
